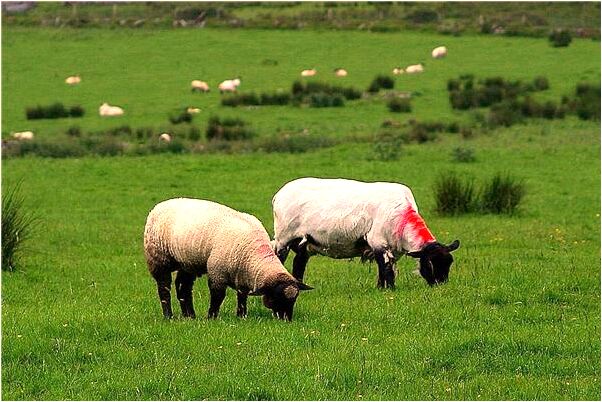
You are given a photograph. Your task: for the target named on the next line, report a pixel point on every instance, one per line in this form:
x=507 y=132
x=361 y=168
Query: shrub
x=502 y=195
x=183 y=117
x=463 y=155
x=295 y=143
x=530 y=108
x=227 y=129
x=398 y=105
x=74 y=131
x=541 y=83
x=462 y=100
x=387 y=146
x=18 y=224
x=381 y=82
x=326 y=100
x=548 y=111
x=194 y=134
x=144 y=132
x=504 y=114
x=120 y=130
x=422 y=16
x=587 y=101
x=278 y=98
x=54 y=111
x=560 y=38
x=452 y=196
x=453 y=85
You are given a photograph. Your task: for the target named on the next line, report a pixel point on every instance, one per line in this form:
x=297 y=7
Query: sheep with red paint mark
x=342 y=218
x=197 y=237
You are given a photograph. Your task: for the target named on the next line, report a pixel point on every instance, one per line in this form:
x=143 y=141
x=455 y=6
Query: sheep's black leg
x=184 y=283
x=300 y=262
x=241 y=309
x=163 y=279
x=386 y=272
x=217 y=297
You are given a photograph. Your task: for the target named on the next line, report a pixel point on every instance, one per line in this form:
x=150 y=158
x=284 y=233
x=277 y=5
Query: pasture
x=519 y=318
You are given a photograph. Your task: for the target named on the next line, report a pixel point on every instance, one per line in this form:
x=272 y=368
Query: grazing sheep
x=23 y=135
x=342 y=218
x=339 y=72
x=107 y=110
x=193 y=110
x=165 y=137
x=196 y=237
x=72 y=80
x=199 y=86
x=397 y=70
x=414 y=68
x=229 y=85
x=439 y=52
x=309 y=73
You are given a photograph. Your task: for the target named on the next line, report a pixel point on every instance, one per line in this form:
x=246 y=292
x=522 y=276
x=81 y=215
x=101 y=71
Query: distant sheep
x=107 y=110
x=72 y=80
x=340 y=72
x=23 y=135
x=165 y=137
x=308 y=73
x=229 y=85
x=414 y=68
x=199 y=86
x=196 y=237
x=397 y=70
x=342 y=218
x=193 y=110
x=439 y=52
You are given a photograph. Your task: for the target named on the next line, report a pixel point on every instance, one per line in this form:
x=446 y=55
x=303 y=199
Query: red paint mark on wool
x=413 y=225
x=265 y=251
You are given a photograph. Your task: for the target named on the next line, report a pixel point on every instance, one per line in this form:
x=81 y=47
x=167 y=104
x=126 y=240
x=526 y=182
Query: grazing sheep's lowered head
x=435 y=261
x=280 y=294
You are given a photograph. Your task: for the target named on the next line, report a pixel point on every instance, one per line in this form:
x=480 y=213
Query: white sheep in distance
x=193 y=110
x=342 y=218
x=196 y=237
x=414 y=68
x=199 y=86
x=23 y=135
x=397 y=71
x=73 y=80
x=340 y=72
x=439 y=52
x=229 y=85
x=309 y=73
x=107 y=110
x=165 y=137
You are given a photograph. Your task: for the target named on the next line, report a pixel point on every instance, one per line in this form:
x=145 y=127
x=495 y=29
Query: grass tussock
x=18 y=225
x=228 y=129
x=54 y=111
x=453 y=195
x=502 y=194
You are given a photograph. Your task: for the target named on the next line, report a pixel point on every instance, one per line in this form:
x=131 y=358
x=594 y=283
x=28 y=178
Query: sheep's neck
x=263 y=261
x=410 y=227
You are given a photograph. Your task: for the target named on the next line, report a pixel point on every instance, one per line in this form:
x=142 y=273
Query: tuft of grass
x=502 y=195
x=463 y=155
x=398 y=105
x=454 y=196
x=18 y=225
x=560 y=38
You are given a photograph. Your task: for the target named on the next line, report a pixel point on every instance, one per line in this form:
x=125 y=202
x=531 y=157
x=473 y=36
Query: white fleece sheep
x=229 y=85
x=414 y=68
x=165 y=137
x=340 y=72
x=199 y=86
x=107 y=110
x=73 y=80
x=308 y=73
x=196 y=237
x=342 y=218
x=397 y=71
x=439 y=52
x=23 y=135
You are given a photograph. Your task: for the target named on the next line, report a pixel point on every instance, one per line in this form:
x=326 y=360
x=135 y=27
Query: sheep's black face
x=281 y=300
x=435 y=262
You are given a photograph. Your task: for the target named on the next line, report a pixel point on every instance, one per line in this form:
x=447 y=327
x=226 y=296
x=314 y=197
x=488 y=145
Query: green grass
x=519 y=318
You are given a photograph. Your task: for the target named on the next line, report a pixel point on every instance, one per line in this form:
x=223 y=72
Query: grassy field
x=519 y=318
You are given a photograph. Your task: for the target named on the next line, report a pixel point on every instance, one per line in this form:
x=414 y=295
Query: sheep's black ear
x=453 y=246
x=303 y=286
x=416 y=254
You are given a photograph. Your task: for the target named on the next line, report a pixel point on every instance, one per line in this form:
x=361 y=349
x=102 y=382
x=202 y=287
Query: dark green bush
x=422 y=16
x=228 y=129
x=74 y=131
x=278 y=98
x=182 y=117
x=194 y=134
x=502 y=195
x=399 y=105
x=587 y=101
x=453 y=85
x=541 y=83
x=54 y=111
x=18 y=225
x=463 y=155
x=381 y=82
x=504 y=114
x=326 y=100
x=453 y=196
x=295 y=143
x=560 y=38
